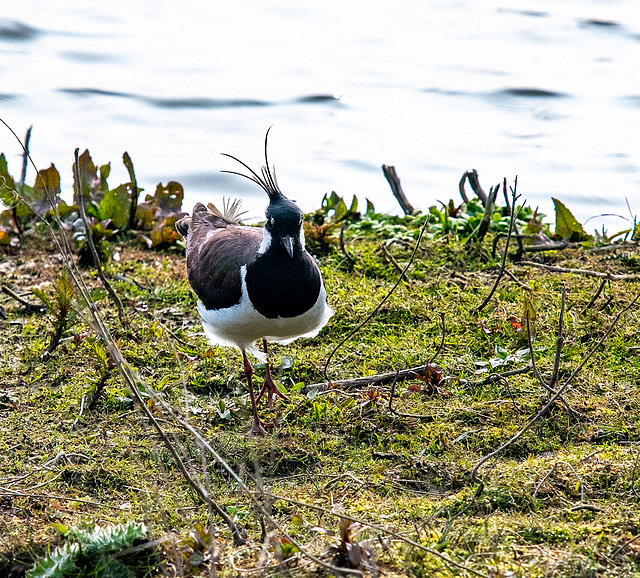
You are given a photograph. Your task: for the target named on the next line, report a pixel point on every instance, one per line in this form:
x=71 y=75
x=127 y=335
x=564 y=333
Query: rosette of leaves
x=94 y=551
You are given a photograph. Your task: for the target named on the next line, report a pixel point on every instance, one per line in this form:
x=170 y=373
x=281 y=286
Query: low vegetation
x=386 y=478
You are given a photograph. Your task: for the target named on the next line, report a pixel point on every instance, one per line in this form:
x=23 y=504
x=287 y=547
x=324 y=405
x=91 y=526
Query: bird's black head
x=283 y=229
x=284 y=225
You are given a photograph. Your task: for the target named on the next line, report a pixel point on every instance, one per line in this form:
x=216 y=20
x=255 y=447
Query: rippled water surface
x=546 y=90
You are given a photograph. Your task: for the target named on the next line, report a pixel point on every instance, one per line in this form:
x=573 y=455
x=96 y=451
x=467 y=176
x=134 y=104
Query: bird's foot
x=259 y=428
x=269 y=387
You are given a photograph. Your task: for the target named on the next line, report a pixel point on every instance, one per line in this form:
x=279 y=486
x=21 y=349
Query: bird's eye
x=271 y=221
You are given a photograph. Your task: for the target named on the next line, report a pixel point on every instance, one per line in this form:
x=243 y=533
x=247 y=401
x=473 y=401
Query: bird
x=254 y=284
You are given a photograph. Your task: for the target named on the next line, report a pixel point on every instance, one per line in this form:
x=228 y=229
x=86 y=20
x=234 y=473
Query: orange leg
x=269 y=387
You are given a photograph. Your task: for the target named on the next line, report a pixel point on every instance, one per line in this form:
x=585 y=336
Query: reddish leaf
x=432 y=374
x=413 y=388
x=515 y=323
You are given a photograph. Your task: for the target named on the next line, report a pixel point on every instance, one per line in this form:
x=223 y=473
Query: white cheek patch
x=266 y=242
x=302 y=236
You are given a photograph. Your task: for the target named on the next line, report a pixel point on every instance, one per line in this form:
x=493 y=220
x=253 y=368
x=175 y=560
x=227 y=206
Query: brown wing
x=216 y=250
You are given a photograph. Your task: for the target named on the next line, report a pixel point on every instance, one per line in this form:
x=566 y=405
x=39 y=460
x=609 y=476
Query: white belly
x=241 y=325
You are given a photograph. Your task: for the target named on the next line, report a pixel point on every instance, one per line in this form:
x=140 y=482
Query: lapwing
x=254 y=284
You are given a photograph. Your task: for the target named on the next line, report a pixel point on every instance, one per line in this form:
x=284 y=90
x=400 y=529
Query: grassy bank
x=562 y=500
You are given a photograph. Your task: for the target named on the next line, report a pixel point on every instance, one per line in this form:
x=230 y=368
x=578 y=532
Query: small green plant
x=333 y=209
x=90 y=551
x=60 y=308
x=503 y=358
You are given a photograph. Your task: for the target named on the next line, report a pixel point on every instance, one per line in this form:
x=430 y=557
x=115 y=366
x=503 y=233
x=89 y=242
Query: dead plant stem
x=87 y=229
x=514 y=216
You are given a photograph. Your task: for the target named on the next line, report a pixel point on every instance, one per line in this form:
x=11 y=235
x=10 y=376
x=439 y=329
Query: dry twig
x=586 y=272
x=396 y=188
x=31 y=307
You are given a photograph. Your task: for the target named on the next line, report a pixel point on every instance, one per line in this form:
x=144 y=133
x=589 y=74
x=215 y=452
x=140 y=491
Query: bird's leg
x=258 y=427
x=269 y=386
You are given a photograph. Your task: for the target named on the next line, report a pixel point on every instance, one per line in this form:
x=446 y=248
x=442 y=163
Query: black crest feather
x=268 y=180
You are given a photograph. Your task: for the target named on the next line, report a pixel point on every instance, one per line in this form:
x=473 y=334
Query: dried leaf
x=168 y=198
x=164 y=233
x=89 y=181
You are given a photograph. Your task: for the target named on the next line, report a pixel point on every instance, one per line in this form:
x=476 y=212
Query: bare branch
x=367 y=381
x=396 y=188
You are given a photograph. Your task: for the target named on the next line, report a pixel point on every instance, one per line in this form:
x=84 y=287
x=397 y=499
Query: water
x=546 y=90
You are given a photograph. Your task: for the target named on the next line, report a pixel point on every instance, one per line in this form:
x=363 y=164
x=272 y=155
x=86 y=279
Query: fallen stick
x=587 y=272
x=31 y=307
x=379 y=379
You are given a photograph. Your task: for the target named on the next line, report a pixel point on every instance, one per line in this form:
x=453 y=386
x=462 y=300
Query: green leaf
x=105 y=171
x=115 y=206
x=40 y=294
x=60 y=527
x=297 y=386
x=370 y=208
x=566 y=224
x=338 y=205
x=354 y=205
x=501 y=352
